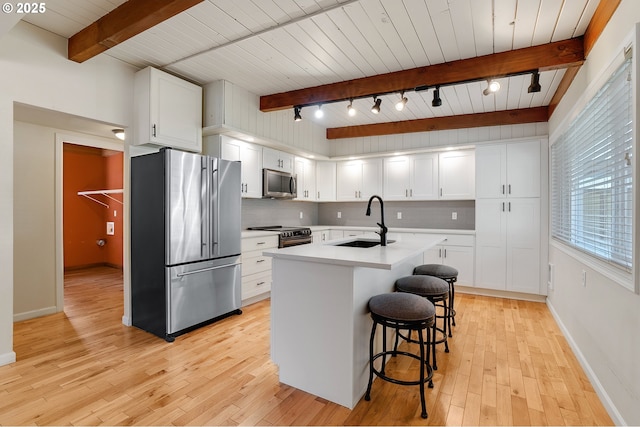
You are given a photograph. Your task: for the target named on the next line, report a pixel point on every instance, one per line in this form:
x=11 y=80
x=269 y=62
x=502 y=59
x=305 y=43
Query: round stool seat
x=438 y=270
x=424 y=286
x=401 y=307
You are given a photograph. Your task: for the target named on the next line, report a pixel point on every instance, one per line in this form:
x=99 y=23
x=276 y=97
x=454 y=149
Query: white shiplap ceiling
x=272 y=46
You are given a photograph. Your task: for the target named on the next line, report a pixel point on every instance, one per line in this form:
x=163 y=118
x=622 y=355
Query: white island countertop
x=381 y=257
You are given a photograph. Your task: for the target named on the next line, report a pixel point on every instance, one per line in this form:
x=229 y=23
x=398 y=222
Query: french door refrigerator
x=185 y=241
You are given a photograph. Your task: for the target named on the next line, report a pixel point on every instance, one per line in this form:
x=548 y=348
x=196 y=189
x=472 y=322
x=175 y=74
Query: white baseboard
x=255 y=299
x=7 y=358
x=126 y=320
x=597 y=386
x=500 y=294
x=34 y=313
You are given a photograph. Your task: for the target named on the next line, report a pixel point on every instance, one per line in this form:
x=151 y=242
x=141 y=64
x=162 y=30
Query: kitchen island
x=320 y=323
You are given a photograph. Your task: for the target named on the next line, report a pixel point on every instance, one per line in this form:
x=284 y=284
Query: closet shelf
x=105 y=193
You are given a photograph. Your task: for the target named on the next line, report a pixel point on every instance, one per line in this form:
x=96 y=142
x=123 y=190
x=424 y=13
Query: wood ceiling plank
x=561 y=54
x=122 y=23
x=496 y=118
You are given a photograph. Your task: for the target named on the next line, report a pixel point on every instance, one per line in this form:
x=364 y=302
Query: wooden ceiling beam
x=555 y=55
x=497 y=118
x=127 y=20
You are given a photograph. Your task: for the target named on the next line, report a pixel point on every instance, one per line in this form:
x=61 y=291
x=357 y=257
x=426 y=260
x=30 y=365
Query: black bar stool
x=401 y=311
x=437 y=292
x=449 y=275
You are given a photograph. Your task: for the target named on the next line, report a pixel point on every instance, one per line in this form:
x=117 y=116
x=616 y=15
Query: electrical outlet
x=550 y=276
x=454 y=215
x=584 y=278
x=339 y=214
x=399 y=215
x=111 y=228
x=301 y=214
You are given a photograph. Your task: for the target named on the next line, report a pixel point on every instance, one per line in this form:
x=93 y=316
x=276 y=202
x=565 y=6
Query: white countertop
x=381 y=257
x=392 y=229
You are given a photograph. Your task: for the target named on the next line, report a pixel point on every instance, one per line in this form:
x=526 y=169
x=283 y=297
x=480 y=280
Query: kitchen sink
x=362 y=243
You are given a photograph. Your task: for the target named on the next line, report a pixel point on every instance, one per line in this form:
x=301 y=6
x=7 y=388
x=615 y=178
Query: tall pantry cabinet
x=508 y=216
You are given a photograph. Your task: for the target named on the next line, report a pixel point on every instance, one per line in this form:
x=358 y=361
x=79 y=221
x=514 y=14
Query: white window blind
x=591 y=180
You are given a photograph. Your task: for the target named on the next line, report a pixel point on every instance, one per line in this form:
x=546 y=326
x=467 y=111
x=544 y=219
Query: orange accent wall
x=84 y=220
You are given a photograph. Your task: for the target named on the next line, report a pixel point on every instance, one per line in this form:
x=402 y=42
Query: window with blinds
x=591 y=179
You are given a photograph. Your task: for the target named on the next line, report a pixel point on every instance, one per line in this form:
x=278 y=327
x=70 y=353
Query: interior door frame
x=88 y=141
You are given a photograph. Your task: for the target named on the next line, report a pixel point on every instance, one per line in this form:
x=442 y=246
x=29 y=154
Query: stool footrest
x=428 y=378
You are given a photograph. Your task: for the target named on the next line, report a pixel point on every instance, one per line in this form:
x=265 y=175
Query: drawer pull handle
x=260 y=283
x=260 y=260
x=261 y=243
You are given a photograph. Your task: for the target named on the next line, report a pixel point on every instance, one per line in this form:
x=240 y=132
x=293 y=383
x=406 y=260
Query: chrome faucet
x=383 y=228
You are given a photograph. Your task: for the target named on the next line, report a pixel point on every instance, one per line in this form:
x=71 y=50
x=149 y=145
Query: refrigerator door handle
x=215 y=208
x=207 y=269
x=203 y=211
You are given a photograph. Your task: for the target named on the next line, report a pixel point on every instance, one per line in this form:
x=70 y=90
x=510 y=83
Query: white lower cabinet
x=256 y=268
x=457 y=252
x=508 y=244
x=321 y=236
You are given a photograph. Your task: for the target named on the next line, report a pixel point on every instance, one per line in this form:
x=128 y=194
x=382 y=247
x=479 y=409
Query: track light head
x=350 y=109
x=296 y=114
x=436 y=97
x=375 y=109
x=402 y=102
x=319 y=112
x=535 y=87
x=492 y=87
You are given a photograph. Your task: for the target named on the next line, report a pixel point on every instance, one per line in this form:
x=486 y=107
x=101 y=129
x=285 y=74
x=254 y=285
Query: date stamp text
x=32 y=7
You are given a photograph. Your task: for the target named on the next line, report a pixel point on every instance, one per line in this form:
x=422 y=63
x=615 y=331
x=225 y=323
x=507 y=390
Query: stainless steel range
x=289 y=236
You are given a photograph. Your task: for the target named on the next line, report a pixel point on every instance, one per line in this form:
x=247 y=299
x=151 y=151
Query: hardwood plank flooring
x=509 y=365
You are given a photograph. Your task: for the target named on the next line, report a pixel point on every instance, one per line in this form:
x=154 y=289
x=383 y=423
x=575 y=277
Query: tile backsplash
x=428 y=214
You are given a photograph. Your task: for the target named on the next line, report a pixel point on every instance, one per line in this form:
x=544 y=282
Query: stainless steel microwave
x=278 y=184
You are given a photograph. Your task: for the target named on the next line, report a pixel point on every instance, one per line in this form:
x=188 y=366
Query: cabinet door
x=433 y=255
x=326 y=181
x=277 y=160
x=523 y=169
x=176 y=112
x=461 y=258
x=523 y=245
x=491 y=243
x=424 y=177
x=371 y=182
x=491 y=175
x=306 y=179
x=397 y=178
x=251 y=158
x=349 y=178
x=457 y=175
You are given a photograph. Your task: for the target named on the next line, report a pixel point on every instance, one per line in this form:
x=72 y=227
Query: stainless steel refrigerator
x=185 y=241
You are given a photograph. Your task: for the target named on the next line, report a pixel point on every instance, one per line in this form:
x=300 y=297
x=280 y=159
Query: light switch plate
x=111 y=228
x=454 y=215
x=339 y=214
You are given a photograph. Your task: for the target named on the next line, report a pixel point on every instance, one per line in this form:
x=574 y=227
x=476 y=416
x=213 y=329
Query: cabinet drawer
x=258 y=243
x=255 y=264
x=256 y=284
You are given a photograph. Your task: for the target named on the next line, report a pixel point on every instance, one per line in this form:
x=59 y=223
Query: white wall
x=34 y=71
x=601 y=320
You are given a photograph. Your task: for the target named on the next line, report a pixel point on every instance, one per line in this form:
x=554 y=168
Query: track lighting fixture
x=375 y=109
x=492 y=87
x=119 y=133
x=436 y=97
x=350 y=110
x=319 y=112
x=296 y=114
x=535 y=83
x=402 y=102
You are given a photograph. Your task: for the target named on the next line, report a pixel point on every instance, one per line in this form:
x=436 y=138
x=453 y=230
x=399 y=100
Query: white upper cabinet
x=457 y=175
x=305 y=171
x=167 y=111
x=358 y=179
x=412 y=177
x=277 y=160
x=326 y=181
x=250 y=156
x=508 y=170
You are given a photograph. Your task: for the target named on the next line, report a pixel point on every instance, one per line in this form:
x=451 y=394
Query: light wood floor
x=508 y=365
